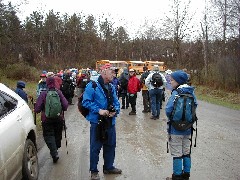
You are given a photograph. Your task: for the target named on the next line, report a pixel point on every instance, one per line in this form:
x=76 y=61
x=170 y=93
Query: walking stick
x=64 y=126
x=35 y=114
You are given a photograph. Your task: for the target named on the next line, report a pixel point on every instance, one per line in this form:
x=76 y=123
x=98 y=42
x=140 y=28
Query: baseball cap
x=43 y=75
x=107 y=66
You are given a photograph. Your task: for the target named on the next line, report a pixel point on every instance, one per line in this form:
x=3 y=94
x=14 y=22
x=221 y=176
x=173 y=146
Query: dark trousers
x=156 y=101
x=52 y=134
x=125 y=100
x=146 y=100
x=132 y=101
x=108 y=148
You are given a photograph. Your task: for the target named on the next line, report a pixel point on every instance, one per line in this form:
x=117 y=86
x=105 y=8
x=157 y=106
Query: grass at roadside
x=219 y=97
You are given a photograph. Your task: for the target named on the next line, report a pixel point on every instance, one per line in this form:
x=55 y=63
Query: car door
x=11 y=137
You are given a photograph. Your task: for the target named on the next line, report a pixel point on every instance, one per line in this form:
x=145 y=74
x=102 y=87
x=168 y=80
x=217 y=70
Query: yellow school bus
x=137 y=66
x=150 y=65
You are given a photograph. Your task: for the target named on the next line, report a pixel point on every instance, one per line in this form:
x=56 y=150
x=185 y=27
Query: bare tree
x=179 y=26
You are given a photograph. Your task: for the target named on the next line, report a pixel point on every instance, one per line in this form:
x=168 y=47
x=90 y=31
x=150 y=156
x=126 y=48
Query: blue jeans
x=108 y=148
x=156 y=100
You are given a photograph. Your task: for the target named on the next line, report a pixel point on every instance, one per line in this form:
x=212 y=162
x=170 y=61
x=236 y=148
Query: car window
x=7 y=103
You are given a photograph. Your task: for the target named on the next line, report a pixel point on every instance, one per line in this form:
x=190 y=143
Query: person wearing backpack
x=123 y=80
x=145 y=93
x=180 y=140
x=42 y=86
x=68 y=87
x=103 y=105
x=51 y=103
x=155 y=83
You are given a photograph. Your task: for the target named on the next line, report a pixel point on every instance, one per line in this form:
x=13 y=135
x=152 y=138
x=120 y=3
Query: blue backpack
x=184 y=112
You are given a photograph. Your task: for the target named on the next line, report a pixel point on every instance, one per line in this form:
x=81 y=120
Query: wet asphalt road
x=141 y=150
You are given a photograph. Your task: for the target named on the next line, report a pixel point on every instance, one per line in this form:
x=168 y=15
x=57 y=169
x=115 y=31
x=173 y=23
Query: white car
x=94 y=75
x=18 y=152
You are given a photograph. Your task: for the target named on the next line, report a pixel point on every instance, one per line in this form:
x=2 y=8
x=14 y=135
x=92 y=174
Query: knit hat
x=180 y=77
x=50 y=82
x=21 y=84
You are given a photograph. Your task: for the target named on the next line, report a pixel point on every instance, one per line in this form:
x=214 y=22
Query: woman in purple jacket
x=52 y=130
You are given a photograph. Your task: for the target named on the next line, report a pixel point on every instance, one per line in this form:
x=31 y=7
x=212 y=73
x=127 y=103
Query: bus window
x=100 y=63
x=150 y=65
x=137 y=66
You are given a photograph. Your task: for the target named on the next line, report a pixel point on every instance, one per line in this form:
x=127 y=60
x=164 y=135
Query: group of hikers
x=101 y=99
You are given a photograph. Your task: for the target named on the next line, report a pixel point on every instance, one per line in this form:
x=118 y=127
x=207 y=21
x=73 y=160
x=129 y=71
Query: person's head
x=50 y=74
x=125 y=70
x=43 y=77
x=178 y=78
x=132 y=72
x=50 y=82
x=145 y=68
x=107 y=73
x=21 y=84
x=168 y=71
x=155 y=68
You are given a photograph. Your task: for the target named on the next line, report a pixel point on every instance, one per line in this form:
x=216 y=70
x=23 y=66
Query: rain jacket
x=41 y=100
x=148 y=80
x=169 y=107
x=134 y=85
x=95 y=99
x=19 y=90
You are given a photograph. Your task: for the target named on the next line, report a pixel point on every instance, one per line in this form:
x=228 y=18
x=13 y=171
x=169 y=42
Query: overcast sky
x=128 y=13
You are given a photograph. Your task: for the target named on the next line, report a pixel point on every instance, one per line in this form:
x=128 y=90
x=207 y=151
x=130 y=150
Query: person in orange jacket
x=134 y=86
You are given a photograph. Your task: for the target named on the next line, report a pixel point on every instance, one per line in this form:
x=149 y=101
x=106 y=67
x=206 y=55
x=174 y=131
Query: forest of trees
x=54 y=41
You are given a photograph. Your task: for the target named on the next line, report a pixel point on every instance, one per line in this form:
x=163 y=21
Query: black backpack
x=65 y=87
x=157 y=80
x=84 y=111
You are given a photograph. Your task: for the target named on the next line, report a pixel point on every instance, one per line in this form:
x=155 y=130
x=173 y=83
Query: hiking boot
x=122 y=107
x=132 y=113
x=55 y=158
x=185 y=176
x=126 y=107
x=144 y=111
x=153 y=117
x=112 y=171
x=95 y=176
x=157 y=117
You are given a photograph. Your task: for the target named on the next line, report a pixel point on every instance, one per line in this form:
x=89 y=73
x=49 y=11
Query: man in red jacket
x=134 y=86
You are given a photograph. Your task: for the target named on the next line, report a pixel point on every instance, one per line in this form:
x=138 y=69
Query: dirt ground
x=141 y=150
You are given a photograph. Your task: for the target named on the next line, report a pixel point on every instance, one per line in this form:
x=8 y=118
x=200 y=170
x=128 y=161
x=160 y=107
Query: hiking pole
x=64 y=126
x=35 y=114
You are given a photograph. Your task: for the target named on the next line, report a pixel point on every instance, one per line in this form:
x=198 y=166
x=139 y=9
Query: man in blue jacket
x=103 y=106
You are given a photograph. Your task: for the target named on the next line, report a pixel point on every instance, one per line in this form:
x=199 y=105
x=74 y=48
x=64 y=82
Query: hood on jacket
x=186 y=89
x=21 y=84
x=50 y=82
x=125 y=70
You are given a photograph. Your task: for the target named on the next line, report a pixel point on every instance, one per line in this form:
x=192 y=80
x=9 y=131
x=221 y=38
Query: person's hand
x=103 y=112
x=111 y=114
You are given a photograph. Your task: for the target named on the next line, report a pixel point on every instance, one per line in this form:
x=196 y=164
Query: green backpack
x=53 y=106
